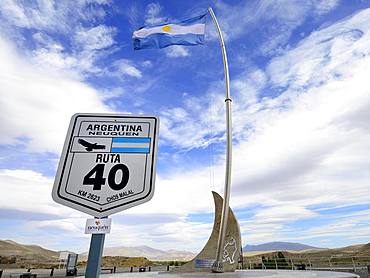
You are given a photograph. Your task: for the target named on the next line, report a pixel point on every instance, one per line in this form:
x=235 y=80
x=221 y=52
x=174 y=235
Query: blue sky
x=299 y=83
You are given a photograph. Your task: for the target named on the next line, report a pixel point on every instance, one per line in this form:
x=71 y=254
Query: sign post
x=95 y=254
x=107 y=165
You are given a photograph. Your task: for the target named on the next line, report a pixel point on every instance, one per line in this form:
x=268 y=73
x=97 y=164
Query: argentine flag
x=130 y=145
x=187 y=32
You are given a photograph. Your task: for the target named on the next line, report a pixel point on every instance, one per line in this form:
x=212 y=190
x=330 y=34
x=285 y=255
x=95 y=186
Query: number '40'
x=96 y=177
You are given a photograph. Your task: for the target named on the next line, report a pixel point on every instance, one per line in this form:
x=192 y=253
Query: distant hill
x=147 y=252
x=351 y=250
x=12 y=248
x=26 y=255
x=364 y=250
x=278 y=246
x=33 y=255
x=344 y=253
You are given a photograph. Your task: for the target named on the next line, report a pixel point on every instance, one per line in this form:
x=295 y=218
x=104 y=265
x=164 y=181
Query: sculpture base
x=217 y=267
x=205 y=260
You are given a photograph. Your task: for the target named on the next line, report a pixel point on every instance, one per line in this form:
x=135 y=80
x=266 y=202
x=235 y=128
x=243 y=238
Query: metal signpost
x=96 y=249
x=107 y=165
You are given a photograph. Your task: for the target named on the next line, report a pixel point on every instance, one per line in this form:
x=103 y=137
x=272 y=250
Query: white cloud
x=322 y=7
x=242 y=19
x=60 y=41
x=291 y=149
x=125 y=67
x=279 y=19
x=133 y=15
x=28 y=192
x=354 y=232
x=183 y=130
x=147 y=64
x=177 y=51
x=50 y=15
x=201 y=120
x=282 y=214
x=55 y=58
x=15 y=13
x=95 y=38
x=37 y=103
x=178 y=234
x=322 y=56
x=70 y=225
x=152 y=16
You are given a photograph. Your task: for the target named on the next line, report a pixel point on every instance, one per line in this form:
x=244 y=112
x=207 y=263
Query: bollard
x=52 y=272
x=149 y=268
x=1 y=273
x=354 y=265
x=131 y=269
x=168 y=267
x=114 y=269
x=331 y=267
x=368 y=269
x=71 y=272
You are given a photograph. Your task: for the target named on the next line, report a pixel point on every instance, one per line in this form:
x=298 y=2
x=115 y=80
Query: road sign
x=108 y=163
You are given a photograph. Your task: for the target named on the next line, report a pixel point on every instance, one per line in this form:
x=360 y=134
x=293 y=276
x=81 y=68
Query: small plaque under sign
x=98 y=226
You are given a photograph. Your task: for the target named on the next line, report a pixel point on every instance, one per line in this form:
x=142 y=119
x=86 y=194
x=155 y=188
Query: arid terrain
x=354 y=254
x=15 y=255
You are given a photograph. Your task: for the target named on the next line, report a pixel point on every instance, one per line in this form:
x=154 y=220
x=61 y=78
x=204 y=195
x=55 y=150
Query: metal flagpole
x=217 y=265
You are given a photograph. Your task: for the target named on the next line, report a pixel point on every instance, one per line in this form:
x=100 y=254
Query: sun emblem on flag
x=166 y=28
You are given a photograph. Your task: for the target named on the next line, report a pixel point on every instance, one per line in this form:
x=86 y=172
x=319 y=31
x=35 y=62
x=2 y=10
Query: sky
x=299 y=75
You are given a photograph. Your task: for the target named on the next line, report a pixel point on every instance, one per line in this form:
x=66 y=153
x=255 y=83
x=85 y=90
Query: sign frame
x=61 y=183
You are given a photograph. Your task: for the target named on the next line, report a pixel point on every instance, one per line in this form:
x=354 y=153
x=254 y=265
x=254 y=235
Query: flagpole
x=217 y=265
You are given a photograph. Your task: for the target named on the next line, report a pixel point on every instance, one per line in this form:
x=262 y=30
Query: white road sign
x=108 y=163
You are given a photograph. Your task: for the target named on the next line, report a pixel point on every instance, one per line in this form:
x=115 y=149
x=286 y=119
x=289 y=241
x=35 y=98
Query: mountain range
x=279 y=246
x=33 y=254
x=147 y=252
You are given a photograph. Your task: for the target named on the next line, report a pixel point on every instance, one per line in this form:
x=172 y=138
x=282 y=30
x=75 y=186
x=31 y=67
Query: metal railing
x=351 y=263
x=55 y=272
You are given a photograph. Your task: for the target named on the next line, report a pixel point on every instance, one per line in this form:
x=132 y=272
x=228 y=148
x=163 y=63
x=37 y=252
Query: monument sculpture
x=232 y=248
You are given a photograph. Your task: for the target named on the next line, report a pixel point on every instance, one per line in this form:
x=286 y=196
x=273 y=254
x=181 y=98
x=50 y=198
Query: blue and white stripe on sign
x=130 y=145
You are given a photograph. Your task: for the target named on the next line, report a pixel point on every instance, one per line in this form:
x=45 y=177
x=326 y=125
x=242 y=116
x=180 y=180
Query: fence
x=338 y=263
x=43 y=273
